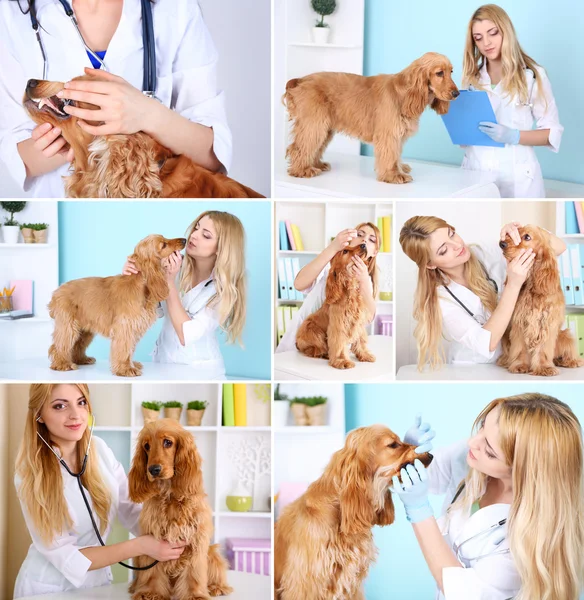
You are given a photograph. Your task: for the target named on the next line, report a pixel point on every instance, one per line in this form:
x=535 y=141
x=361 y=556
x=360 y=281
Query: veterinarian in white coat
x=186 y=62
x=469 y=548
x=311 y=279
x=59 y=413
x=520 y=99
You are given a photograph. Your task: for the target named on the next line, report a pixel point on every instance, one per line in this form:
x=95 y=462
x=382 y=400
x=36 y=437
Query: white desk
x=354 y=177
x=293 y=365
x=245 y=586
x=482 y=372
x=37 y=369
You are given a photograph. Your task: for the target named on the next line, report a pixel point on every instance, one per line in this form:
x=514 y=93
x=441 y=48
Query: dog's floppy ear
x=417 y=93
x=148 y=263
x=386 y=514
x=440 y=106
x=333 y=289
x=188 y=476
x=544 y=271
x=139 y=487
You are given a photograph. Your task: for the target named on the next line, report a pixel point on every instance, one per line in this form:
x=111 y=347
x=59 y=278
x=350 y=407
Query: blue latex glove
x=500 y=133
x=413 y=492
x=420 y=435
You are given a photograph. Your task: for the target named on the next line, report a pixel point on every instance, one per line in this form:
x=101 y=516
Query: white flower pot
x=320 y=35
x=280 y=412
x=10 y=233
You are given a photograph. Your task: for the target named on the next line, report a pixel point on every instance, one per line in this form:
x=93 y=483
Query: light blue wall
x=96 y=237
x=396 y=33
x=400 y=570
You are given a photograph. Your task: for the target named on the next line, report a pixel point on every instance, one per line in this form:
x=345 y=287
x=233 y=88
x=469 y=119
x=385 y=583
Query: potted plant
x=280 y=408
x=321 y=30
x=150 y=411
x=11 y=227
x=316 y=410
x=27 y=233
x=173 y=409
x=39 y=231
x=298 y=408
x=195 y=412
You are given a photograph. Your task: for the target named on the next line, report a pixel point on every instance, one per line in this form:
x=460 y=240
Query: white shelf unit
x=343 y=53
x=319 y=221
x=29 y=338
x=119 y=420
x=302 y=452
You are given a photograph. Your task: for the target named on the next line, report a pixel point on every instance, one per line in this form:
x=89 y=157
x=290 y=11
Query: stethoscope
x=78 y=477
x=149 y=79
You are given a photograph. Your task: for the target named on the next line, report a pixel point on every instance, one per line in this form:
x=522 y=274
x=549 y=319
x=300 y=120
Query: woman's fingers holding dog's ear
x=130 y=267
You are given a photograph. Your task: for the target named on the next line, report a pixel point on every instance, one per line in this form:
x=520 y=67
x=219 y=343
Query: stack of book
x=290 y=237
x=285 y=314
x=574 y=216
x=384 y=226
x=234 y=405
x=572 y=274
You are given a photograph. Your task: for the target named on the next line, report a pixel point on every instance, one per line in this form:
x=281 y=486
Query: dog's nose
x=503 y=245
x=363 y=246
x=155 y=470
x=183 y=241
x=455 y=94
x=32 y=83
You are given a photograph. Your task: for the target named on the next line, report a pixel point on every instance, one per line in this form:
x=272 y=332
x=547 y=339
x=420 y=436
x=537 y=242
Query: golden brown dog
x=123 y=166
x=166 y=477
x=341 y=319
x=383 y=110
x=323 y=542
x=122 y=308
x=535 y=341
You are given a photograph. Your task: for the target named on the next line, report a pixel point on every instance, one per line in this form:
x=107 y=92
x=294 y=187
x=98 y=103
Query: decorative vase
x=195 y=417
x=150 y=415
x=5 y=304
x=299 y=413
x=316 y=415
x=27 y=235
x=320 y=35
x=40 y=237
x=386 y=296
x=173 y=413
x=10 y=234
x=239 y=499
x=280 y=412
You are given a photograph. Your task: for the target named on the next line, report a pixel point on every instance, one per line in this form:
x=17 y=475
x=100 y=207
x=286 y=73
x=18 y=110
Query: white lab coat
x=494 y=577
x=186 y=62
x=518 y=174
x=60 y=566
x=201 y=349
x=466 y=341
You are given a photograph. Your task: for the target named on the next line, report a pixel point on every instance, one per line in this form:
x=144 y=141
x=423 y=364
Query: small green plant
x=39 y=226
x=278 y=395
x=172 y=404
x=197 y=405
x=27 y=226
x=309 y=400
x=12 y=207
x=324 y=8
x=152 y=405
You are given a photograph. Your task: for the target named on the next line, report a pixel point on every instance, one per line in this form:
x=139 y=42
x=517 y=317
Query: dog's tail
x=287 y=97
x=217 y=572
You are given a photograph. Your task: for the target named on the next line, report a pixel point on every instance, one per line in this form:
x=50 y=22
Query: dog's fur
x=124 y=166
x=122 y=308
x=383 y=110
x=323 y=542
x=535 y=341
x=175 y=508
x=341 y=319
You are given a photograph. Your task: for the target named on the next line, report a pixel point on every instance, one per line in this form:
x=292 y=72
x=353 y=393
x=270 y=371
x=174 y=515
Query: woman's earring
x=39 y=420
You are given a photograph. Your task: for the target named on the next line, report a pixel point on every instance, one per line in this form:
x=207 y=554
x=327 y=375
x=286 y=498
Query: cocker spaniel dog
x=341 y=320
x=535 y=341
x=323 y=542
x=122 y=308
x=383 y=110
x=166 y=478
x=123 y=166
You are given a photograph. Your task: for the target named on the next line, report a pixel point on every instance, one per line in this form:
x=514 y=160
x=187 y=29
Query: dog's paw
x=568 y=363
x=148 y=596
x=406 y=168
x=341 y=363
x=138 y=365
x=220 y=590
x=545 y=371
x=395 y=178
x=85 y=360
x=196 y=597
x=365 y=357
x=127 y=372
x=60 y=365
x=304 y=172
x=323 y=166
x=519 y=368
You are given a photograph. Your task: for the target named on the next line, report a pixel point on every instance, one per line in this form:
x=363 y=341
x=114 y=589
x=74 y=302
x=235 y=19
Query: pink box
x=250 y=555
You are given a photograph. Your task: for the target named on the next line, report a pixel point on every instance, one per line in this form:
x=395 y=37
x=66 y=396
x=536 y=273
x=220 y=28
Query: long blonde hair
x=41 y=486
x=230 y=296
x=513 y=59
x=414 y=239
x=541 y=440
x=372 y=268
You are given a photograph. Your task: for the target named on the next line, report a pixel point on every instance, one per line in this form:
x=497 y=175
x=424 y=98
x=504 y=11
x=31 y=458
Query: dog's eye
x=345 y=251
x=527 y=237
x=440 y=74
x=147 y=447
x=164 y=244
x=167 y=443
x=393 y=445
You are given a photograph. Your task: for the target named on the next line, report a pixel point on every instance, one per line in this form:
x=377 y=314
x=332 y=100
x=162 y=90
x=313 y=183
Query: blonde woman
x=513 y=524
x=65 y=553
x=311 y=279
x=207 y=292
x=520 y=94
x=465 y=294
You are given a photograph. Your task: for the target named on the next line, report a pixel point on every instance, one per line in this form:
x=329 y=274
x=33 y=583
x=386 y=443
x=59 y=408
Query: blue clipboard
x=463 y=118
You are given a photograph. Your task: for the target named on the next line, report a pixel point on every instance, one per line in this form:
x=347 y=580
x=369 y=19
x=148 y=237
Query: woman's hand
x=420 y=435
x=413 y=492
x=343 y=239
x=519 y=267
x=161 y=550
x=122 y=107
x=130 y=267
x=358 y=269
x=171 y=265
x=511 y=230
x=49 y=141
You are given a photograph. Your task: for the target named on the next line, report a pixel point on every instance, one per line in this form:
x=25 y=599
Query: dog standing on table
x=323 y=543
x=341 y=319
x=383 y=110
x=535 y=341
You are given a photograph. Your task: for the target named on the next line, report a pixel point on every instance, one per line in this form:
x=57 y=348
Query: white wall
x=477 y=222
